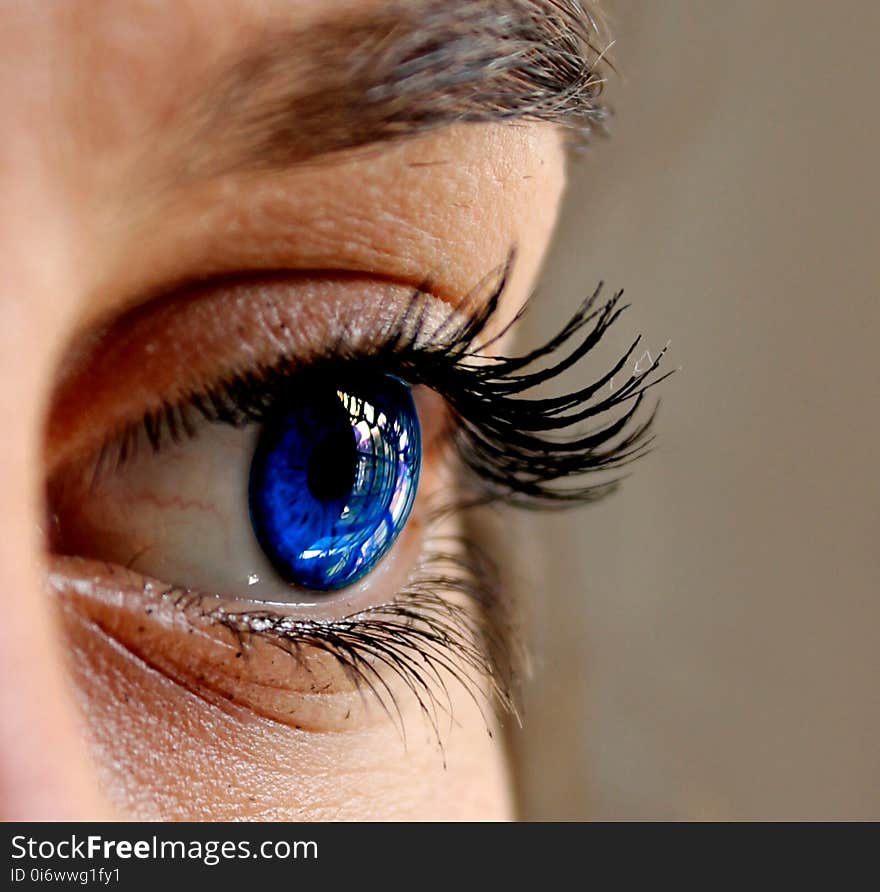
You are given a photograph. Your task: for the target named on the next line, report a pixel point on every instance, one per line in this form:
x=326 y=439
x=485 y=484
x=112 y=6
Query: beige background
x=708 y=640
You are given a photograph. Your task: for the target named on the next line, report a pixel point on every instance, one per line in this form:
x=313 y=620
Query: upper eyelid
x=417 y=327
x=147 y=365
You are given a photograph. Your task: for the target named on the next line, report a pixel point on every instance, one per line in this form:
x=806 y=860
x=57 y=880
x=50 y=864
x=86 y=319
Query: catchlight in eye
x=333 y=480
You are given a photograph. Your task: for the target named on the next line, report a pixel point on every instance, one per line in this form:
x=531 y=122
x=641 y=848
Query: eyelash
x=419 y=637
x=512 y=449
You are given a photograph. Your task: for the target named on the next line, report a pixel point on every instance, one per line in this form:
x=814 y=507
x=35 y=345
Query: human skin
x=96 y=219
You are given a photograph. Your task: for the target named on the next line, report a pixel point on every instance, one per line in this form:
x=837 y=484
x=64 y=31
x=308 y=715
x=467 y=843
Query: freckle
x=140 y=628
x=348 y=715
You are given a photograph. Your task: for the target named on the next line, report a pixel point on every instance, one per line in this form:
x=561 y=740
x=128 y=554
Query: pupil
x=331 y=470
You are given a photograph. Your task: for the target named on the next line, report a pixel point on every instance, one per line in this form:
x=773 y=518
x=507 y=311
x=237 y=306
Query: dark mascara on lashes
x=519 y=450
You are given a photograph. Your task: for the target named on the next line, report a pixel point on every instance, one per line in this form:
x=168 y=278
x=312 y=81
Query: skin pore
x=105 y=213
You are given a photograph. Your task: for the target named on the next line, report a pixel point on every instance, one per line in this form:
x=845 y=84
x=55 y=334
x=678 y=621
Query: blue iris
x=333 y=480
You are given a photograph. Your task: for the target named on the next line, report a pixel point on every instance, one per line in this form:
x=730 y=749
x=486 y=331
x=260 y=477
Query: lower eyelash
x=422 y=637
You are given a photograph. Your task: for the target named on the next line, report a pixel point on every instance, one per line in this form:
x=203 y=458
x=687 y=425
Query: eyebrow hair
x=402 y=70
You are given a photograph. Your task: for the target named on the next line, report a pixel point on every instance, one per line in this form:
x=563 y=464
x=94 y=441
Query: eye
x=293 y=495
x=333 y=480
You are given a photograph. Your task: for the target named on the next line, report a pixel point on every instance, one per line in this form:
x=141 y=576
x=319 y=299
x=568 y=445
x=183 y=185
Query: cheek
x=219 y=761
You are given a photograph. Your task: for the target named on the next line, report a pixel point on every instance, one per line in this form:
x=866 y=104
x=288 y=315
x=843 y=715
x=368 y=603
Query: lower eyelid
x=172 y=634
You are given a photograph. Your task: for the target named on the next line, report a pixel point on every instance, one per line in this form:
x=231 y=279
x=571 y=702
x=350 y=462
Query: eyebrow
x=399 y=71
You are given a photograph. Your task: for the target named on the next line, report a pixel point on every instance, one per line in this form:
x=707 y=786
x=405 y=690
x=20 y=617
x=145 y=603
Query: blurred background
x=707 y=641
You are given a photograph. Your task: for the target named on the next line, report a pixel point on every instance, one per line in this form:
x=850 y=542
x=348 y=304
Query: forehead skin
x=98 y=214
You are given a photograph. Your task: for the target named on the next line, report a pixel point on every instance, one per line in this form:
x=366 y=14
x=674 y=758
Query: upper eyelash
x=518 y=450
x=503 y=446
